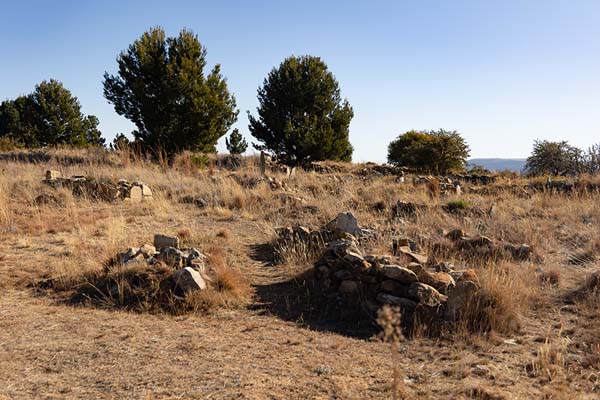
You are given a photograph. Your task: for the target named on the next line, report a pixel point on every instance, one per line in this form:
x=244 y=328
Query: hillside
x=89 y=308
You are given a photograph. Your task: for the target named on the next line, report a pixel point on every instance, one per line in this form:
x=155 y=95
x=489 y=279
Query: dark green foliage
x=555 y=158
x=120 y=142
x=436 y=152
x=50 y=115
x=301 y=115
x=236 y=144
x=162 y=89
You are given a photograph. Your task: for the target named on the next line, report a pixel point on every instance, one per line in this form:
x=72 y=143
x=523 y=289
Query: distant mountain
x=500 y=164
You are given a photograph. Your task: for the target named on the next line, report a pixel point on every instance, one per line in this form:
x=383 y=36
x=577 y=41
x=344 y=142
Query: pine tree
x=236 y=144
x=301 y=115
x=50 y=115
x=161 y=87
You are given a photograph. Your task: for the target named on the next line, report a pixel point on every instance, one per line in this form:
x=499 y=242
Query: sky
x=502 y=73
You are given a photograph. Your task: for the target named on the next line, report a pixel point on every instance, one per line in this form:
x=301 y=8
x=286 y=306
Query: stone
x=173 y=257
x=394 y=287
x=425 y=294
x=129 y=254
x=398 y=273
x=440 y=281
x=355 y=259
x=345 y=222
x=341 y=247
x=421 y=259
x=148 y=250
x=348 y=287
x=52 y=175
x=401 y=302
x=405 y=242
x=146 y=191
x=469 y=275
x=135 y=194
x=415 y=267
x=162 y=241
x=188 y=280
x=458 y=298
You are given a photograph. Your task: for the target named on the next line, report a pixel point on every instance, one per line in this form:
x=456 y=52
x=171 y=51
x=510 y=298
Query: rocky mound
x=100 y=189
x=159 y=278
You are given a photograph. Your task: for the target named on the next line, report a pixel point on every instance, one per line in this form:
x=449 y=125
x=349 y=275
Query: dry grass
x=518 y=304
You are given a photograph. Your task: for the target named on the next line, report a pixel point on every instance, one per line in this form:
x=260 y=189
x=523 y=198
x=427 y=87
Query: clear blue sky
x=502 y=73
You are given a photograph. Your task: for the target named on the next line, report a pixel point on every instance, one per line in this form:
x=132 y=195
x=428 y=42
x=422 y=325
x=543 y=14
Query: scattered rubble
x=104 y=189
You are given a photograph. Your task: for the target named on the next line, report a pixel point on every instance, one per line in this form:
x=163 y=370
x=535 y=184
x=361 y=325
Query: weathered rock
x=401 y=302
x=458 y=299
x=341 y=247
x=146 y=191
x=440 y=281
x=148 y=250
x=356 y=260
x=425 y=294
x=173 y=257
x=394 y=287
x=52 y=175
x=162 y=241
x=135 y=194
x=189 y=280
x=345 y=222
x=405 y=242
x=398 y=273
x=405 y=250
x=348 y=287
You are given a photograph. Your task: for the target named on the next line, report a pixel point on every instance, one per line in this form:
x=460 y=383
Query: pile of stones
x=484 y=246
x=188 y=264
x=407 y=281
x=100 y=189
x=342 y=225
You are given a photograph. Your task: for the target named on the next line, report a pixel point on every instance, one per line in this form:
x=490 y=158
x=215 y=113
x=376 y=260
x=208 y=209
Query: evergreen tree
x=301 y=115
x=50 y=115
x=236 y=144
x=161 y=87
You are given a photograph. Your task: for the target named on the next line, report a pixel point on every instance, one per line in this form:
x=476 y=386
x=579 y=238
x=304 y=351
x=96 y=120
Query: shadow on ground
x=302 y=301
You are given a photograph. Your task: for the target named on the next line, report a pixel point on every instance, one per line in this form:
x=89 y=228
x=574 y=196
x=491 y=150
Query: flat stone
x=162 y=241
x=189 y=280
x=421 y=259
x=441 y=281
x=146 y=191
x=425 y=294
x=52 y=175
x=398 y=273
x=135 y=194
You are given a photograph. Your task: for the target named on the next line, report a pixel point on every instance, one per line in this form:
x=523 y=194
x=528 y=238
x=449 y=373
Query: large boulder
x=188 y=280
